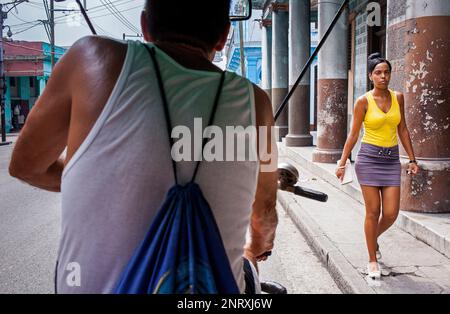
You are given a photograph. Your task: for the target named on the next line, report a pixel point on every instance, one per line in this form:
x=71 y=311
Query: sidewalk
x=335 y=231
x=11 y=137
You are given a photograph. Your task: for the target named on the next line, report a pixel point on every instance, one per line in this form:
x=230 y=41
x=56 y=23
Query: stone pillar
x=266 y=47
x=419 y=47
x=42 y=83
x=332 y=86
x=252 y=68
x=24 y=86
x=8 y=113
x=299 y=52
x=280 y=23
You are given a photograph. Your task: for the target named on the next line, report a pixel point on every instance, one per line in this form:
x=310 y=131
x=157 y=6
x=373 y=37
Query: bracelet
x=413 y=161
x=341 y=167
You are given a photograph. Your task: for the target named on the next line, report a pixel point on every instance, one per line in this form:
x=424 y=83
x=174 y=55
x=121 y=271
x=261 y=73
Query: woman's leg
x=372 y=202
x=390 y=198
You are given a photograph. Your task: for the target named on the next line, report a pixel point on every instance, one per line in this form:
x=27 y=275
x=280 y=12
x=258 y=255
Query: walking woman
x=377 y=164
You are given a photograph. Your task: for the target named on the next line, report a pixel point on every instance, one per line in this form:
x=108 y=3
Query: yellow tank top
x=381 y=128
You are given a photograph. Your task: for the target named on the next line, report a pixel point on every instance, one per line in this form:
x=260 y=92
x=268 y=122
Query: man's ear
x=144 y=26
x=223 y=39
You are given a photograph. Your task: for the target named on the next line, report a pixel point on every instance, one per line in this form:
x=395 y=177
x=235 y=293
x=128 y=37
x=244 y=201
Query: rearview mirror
x=240 y=10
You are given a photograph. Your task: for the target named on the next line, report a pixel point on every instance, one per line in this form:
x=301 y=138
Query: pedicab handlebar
x=287 y=179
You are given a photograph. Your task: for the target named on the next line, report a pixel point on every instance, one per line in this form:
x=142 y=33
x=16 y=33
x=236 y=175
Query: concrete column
x=8 y=113
x=252 y=68
x=24 y=83
x=41 y=80
x=332 y=86
x=419 y=45
x=266 y=47
x=299 y=52
x=280 y=23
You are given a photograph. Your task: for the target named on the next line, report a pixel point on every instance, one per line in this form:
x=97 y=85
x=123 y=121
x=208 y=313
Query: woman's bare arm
x=358 y=118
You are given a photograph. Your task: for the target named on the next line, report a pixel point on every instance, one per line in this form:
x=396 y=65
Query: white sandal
x=374 y=274
x=378 y=253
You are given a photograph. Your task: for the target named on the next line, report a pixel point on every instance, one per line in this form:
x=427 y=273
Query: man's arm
x=35 y=157
x=264 y=218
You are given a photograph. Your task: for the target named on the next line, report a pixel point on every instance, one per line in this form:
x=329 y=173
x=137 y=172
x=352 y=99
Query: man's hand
x=262 y=234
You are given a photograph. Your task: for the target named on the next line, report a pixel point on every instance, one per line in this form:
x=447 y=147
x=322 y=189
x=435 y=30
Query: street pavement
x=30 y=226
x=293 y=264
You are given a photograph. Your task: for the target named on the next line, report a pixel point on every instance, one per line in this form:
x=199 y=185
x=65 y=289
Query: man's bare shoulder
x=98 y=42
x=263 y=107
x=94 y=47
x=93 y=59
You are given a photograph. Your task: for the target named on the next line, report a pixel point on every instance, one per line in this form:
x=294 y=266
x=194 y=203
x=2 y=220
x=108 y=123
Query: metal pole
x=52 y=34
x=311 y=59
x=266 y=79
x=241 y=48
x=2 y=80
x=86 y=18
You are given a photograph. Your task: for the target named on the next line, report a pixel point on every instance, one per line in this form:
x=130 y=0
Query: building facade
x=27 y=68
x=252 y=48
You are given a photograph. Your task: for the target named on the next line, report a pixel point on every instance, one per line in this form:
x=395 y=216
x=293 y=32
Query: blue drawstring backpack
x=182 y=251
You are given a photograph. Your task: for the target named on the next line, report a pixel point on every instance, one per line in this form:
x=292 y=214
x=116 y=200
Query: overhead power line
x=119 y=16
x=106 y=6
x=28 y=28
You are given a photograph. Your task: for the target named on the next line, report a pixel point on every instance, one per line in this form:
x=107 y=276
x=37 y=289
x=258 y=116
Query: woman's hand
x=413 y=168
x=340 y=173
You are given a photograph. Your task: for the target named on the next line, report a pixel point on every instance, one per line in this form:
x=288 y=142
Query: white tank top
x=117 y=179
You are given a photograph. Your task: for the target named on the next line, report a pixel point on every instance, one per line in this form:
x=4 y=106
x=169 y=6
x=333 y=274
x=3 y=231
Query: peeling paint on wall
x=397 y=8
x=332 y=113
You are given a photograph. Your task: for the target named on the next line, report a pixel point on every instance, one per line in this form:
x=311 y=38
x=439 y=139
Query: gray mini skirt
x=378 y=166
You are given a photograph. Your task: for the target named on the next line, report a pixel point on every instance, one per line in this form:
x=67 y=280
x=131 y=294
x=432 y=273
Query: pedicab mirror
x=240 y=10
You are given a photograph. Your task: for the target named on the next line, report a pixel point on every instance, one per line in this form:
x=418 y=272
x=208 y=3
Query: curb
x=348 y=279
x=423 y=233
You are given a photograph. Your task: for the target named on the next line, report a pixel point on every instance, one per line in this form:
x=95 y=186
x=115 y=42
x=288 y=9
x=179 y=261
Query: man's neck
x=189 y=56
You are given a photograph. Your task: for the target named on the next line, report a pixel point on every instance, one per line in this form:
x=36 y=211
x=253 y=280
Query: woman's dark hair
x=200 y=23
x=375 y=59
